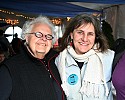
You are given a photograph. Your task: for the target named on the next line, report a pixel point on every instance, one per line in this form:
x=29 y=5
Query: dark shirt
x=6 y=78
x=80 y=64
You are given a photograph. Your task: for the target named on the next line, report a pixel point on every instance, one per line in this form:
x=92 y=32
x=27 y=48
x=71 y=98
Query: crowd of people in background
x=5 y=47
x=8 y=49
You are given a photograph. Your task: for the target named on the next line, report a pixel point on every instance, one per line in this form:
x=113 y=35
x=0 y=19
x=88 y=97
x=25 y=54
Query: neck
x=39 y=55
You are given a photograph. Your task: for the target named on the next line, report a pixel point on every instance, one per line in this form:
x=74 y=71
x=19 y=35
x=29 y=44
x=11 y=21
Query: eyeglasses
x=39 y=35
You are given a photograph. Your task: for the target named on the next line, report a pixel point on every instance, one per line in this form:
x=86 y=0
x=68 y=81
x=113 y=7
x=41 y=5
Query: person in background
x=85 y=62
x=3 y=52
x=32 y=74
x=119 y=69
x=16 y=43
x=107 y=31
x=57 y=44
x=119 y=45
x=6 y=45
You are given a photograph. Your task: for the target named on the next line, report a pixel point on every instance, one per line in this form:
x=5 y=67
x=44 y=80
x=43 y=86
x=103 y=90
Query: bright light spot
x=13 y=30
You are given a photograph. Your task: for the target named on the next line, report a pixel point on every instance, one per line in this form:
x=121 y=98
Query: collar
x=70 y=61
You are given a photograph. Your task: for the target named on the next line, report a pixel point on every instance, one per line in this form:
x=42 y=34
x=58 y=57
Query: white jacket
x=72 y=78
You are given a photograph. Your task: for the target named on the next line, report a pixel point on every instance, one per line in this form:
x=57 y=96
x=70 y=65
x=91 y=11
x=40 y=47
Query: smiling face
x=83 y=38
x=39 y=47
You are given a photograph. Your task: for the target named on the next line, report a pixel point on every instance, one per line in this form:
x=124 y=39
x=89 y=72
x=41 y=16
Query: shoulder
x=15 y=59
x=52 y=53
x=117 y=57
x=107 y=54
x=110 y=52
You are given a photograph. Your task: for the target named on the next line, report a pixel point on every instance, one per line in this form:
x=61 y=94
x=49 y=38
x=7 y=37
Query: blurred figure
x=107 y=30
x=118 y=75
x=2 y=56
x=4 y=50
x=6 y=43
x=16 y=43
x=4 y=47
x=57 y=44
x=119 y=45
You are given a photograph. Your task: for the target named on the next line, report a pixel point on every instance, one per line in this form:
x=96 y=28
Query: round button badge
x=72 y=79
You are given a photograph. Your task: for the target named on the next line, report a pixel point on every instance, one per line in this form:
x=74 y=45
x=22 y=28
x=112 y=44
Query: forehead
x=41 y=26
x=88 y=26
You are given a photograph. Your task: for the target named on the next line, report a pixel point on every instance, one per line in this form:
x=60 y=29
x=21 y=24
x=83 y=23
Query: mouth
x=41 y=44
x=83 y=43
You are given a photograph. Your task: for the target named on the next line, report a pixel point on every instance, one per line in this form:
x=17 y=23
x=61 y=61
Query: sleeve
x=5 y=83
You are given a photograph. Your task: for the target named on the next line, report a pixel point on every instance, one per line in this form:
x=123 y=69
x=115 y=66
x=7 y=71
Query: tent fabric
x=101 y=1
x=59 y=9
x=53 y=7
x=115 y=16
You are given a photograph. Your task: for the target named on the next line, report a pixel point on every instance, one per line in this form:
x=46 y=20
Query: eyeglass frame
x=36 y=34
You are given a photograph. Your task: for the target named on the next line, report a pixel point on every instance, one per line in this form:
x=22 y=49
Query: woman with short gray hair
x=32 y=74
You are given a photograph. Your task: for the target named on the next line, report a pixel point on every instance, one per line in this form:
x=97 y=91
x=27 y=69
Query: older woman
x=85 y=61
x=32 y=74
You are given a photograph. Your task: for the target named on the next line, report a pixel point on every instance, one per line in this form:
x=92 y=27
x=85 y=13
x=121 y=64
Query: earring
x=71 y=42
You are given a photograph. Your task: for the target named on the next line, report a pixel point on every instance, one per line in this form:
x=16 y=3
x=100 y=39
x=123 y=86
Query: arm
x=5 y=83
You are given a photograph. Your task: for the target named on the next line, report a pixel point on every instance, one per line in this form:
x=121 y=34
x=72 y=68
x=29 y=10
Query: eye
x=80 y=32
x=38 y=34
x=49 y=37
x=91 y=34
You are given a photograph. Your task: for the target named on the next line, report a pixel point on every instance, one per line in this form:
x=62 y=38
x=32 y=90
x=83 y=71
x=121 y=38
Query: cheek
x=76 y=37
x=92 y=40
x=31 y=42
x=50 y=44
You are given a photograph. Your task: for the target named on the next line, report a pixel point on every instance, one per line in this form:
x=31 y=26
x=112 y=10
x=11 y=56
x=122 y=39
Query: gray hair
x=27 y=27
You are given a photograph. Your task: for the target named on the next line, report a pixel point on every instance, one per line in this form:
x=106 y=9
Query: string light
x=12 y=21
x=68 y=18
x=12 y=13
x=56 y=21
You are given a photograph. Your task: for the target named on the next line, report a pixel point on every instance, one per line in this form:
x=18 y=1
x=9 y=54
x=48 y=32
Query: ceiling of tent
x=94 y=6
x=59 y=9
x=66 y=8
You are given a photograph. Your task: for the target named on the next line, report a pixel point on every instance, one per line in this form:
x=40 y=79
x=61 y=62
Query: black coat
x=31 y=79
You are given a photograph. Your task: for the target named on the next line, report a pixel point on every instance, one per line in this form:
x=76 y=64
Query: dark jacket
x=34 y=79
x=117 y=58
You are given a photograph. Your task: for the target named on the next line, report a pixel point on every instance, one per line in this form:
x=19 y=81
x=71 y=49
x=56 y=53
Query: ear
x=26 y=38
x=71 y=35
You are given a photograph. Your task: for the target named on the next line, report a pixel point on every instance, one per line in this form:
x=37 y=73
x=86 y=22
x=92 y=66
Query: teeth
x=43 y=44
x=81 y=43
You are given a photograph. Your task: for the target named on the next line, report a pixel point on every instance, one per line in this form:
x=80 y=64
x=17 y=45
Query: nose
x=84 y=37
x=43 y=37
